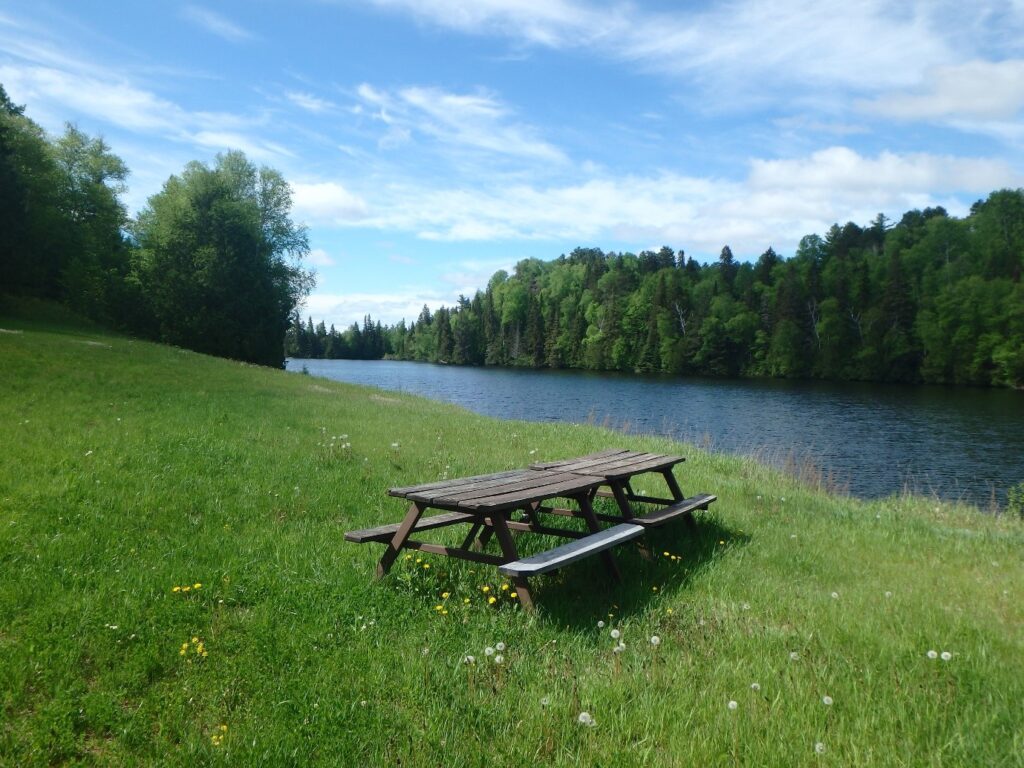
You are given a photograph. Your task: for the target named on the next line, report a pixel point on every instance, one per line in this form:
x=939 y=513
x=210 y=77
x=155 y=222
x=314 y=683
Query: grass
x=129 y=469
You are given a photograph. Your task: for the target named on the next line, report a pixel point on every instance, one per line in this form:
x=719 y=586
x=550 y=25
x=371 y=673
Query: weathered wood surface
x=679 y=509
x=611 y=464
x=386 y=532
x=565 y=554
x=505 y=490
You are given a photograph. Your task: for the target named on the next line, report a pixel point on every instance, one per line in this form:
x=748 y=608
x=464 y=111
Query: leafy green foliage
x=218 y=260
x=931 y=299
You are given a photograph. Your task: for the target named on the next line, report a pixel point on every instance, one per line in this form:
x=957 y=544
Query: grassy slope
x=128 y=468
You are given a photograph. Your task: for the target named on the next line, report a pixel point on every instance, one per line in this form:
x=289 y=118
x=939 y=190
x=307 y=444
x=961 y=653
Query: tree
x=219 y=260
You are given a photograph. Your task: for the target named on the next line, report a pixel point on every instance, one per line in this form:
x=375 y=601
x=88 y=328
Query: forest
x=211 y=263
x=930 y=298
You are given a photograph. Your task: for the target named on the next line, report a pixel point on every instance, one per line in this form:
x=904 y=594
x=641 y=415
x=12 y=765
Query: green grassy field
x=129 y=471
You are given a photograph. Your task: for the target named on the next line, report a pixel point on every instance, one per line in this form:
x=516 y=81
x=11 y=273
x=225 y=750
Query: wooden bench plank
x=680 y=508
x=573 y=551
x=384 y=533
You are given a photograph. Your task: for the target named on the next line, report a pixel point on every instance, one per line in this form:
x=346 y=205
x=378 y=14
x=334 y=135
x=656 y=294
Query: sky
x=429 y=143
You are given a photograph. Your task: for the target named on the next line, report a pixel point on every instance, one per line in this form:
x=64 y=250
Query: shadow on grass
x=580 y=594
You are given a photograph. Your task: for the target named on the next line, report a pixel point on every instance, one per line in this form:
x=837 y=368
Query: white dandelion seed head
x=835 y=595
x=819 y=748
x=746 y=606
x=732 y=705
x=826 y=700
x=469 y=660
x=499 y=659
x=755 y=687
x=488 y=651
x=600 y=625
x=888 y=594
x=545 y=700
x=585 y=718
x=946 y=656
x=499 y=646
x=933 y=654
x=655 y=640
x=616 y=634
x=794 y=656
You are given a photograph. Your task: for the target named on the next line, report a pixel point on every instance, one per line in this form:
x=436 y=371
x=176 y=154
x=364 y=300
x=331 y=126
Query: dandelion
x=465 y=601
x=835 y=595
x=819 y=748
x=426 y=566
x=666 y=554
x=654 y=589
x=499 y=647
x=485 y=589
x=586 y=719
x=444 y=595
x=794 y=656
x=499 y=659
x=469 y=660
x=933 y=654
x=504 y=587
x=396 y=446
x=655 y=641
x=616 y=634
x=600 y=625
x=545 y=701
x=492 y=600
x=826 y=700
x=175 y=589
x=755 y=687
x=732 y=705
x=746 y=606
x=488 y=651
x=946 y=656
x=888 y=594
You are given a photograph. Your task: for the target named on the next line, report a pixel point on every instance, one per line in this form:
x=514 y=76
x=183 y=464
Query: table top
x=612 y=464
x=502 y=490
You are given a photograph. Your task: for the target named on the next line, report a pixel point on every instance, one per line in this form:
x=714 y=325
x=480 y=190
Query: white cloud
x=749 y=44
x=318 y=257
x=216 y=24
x=254 y=147
x=974 y=90
x=474 y=121
x=343 y=309
x=309 y=102
x=326 y=203
x=777 y=203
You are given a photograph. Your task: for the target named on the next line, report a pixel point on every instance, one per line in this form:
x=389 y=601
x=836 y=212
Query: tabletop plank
x=544 y=485
x=612 y=464
x=453 y=483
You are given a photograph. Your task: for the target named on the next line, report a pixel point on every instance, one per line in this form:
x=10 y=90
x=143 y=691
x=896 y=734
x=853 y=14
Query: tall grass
x=130 y=471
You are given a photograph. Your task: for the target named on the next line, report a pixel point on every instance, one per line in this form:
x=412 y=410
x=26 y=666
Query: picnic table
x=487 y=504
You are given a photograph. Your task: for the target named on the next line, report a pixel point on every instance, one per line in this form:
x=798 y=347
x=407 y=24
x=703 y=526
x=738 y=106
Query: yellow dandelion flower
x=514 y=596
x=426 y=566
x=224 y=728
x=504 y=587
x=408 y=557
x=186 y=589
x=197 y=585
x=492 y=600
x=175 y=589
x=204 y=654
x=666 y=554
x=444 y=595
x=465 y=600
x=668 y=611
x=654 y=589
x=444 y=613
x=181 y=652
x=438 y=607
x=486 y=589
x=419 y=560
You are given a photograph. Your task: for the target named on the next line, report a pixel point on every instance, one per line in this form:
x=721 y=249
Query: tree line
x=930 y=298
x=212 y=263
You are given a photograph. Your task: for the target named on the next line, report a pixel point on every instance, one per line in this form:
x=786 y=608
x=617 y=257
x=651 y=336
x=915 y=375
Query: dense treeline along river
x=956 y=443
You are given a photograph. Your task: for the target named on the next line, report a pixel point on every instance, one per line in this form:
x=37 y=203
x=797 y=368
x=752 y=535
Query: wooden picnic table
x=487 y=502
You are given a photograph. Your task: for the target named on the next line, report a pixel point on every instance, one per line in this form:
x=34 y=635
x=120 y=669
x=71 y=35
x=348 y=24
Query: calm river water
x=876 y=439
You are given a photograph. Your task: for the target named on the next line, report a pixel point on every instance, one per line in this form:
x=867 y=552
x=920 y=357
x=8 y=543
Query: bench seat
x=543 y=562
x=671 y=512
x=384 y=533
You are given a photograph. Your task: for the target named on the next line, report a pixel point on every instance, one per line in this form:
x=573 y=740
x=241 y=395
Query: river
x=875 y=439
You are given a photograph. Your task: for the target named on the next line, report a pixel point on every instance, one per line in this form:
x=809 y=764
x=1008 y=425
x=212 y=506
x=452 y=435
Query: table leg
x=398 y=540
x=508 y=549
x=677 y=495
x=588 y=515
x=623 y=501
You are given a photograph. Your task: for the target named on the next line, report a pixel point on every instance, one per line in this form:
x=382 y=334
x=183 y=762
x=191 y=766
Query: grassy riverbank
x=129 y=470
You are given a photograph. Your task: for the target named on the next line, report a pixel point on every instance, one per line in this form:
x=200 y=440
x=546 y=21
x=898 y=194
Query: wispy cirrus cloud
x=473 y=121
x=309 y=102
x=216 y=24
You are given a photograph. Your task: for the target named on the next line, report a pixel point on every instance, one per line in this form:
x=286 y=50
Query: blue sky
x=432 y=142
